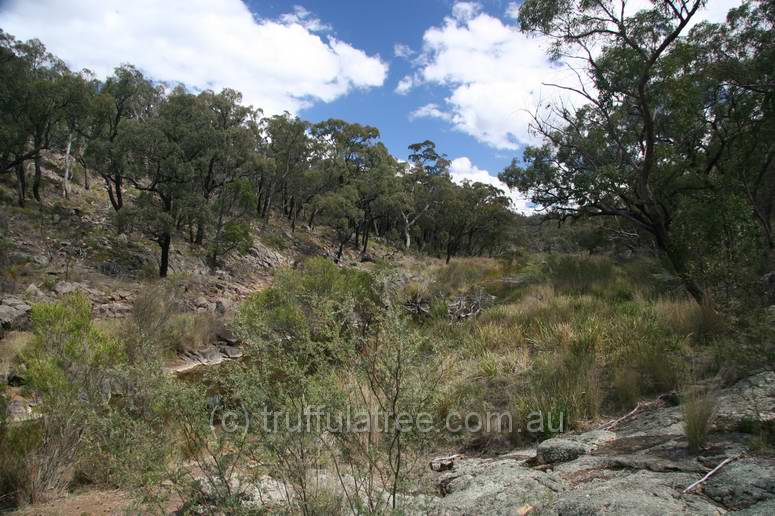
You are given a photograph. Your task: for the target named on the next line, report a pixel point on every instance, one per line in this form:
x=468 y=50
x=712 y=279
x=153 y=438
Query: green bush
x=315 y=312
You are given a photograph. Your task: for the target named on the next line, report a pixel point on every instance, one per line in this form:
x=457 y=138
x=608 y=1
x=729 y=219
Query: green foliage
x=325 y=337
x=312 y=314
x=661 y=143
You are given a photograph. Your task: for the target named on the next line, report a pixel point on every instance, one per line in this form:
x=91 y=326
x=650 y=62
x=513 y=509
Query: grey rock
x=743 y=483
x=231 y=351
x=204 y=304
x=13 y=317
x=478 y=486
x=115 y=309
x=640 y=493
x=33 y=291
x=766 y=508
x=567 y=448
x=18 y=410
x=558 y=449
x=751 y=400
x=66 y=287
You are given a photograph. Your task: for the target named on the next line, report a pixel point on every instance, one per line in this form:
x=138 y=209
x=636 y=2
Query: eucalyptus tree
x=125 y=96
x=33 y=100
x=737 y=59
x=229 y=148
x=623 y=153
x=472 y=213
x=340 y=210
x=288 y=148
x=229 y=165
x=162 y=152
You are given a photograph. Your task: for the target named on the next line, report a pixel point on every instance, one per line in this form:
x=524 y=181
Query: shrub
x=317 y=311
x=699 y=410
x=70 y=364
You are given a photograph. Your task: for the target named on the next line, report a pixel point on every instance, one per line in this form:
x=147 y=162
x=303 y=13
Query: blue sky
x=377 y=27
x=459 y=73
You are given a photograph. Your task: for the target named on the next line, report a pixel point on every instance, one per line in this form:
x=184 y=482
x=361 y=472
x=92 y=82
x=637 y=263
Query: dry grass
x=699 y=410
x=11 y=345
x=585 y=339
x=682 y=316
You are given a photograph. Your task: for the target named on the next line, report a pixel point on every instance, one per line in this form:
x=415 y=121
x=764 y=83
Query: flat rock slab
x=749 y=401
x=642 y=493
x=498 y=487
x=743 y=483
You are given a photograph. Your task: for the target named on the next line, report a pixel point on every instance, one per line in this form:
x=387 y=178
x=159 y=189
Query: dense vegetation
x=674 y=137
x=207 y=168
x=659 y=285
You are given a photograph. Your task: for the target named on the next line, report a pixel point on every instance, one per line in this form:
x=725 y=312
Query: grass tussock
x=699 y=410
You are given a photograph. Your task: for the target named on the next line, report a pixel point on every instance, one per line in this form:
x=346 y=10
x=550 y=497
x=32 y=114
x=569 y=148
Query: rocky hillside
x=75 y=244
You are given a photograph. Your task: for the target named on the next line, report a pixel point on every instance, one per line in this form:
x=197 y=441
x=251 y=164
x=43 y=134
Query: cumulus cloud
x=512 y=10
x=284 y=64
x=494 y=75
x=461 y=169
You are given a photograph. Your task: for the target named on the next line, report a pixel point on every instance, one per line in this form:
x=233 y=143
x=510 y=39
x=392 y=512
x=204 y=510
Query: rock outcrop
x=640 y=466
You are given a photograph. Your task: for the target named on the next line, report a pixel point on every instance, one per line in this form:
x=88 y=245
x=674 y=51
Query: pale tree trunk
x=37 y=179
x=68 y=163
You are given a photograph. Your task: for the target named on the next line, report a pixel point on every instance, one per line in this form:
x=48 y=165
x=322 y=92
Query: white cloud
x=405 y=85
x=464 y=11
x=402 y=51
x=512 y=10
x=461 y=169
x=495 y=75
x=430 y=111
x=304 y=18
x=284 y=64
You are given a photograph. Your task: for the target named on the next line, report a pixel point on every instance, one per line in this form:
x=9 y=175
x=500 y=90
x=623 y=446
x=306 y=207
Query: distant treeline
x=207 y=168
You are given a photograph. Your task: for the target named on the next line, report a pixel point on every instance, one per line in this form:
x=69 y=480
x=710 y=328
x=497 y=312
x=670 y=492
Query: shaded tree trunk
x=164 y=262
x=366 y=237
x=21 y=183
x=37 y=179
x=311 y=222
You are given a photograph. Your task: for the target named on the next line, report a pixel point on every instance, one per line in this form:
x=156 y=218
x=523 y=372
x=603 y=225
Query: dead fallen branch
x=445 y=463
x=640 y=407
x=711 y=473
x=613 y=424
